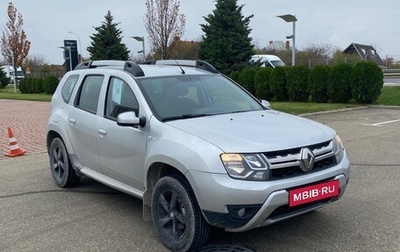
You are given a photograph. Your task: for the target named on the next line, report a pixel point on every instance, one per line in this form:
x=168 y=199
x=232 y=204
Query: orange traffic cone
x=14 y=147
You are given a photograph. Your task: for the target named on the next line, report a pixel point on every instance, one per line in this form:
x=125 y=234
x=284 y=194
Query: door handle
x=72 y=121
x=102 y=132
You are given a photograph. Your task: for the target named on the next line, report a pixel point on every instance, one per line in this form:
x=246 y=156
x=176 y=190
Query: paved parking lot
x=37 y=216
x=28 y=120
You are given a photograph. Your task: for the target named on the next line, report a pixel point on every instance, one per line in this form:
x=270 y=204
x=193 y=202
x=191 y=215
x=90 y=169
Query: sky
x=338 y=23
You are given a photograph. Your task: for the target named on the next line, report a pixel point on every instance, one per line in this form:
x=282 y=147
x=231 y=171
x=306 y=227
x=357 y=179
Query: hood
x=256 y=131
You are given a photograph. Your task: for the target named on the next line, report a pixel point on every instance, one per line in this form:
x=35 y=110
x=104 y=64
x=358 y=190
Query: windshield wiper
x=239 y=111
x=185 y=116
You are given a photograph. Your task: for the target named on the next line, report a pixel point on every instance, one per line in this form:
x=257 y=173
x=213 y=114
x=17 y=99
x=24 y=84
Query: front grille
x=288 y=163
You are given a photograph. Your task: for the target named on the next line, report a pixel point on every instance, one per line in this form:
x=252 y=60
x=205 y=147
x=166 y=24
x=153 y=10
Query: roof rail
x=128 y=66
x=190 y=63
x=133 y=68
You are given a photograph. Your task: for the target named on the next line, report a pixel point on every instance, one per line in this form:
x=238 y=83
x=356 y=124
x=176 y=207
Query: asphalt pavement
x=391 y=81
x=37 y=216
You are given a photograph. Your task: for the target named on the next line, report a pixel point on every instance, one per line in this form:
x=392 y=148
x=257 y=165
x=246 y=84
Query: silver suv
x=196 y=147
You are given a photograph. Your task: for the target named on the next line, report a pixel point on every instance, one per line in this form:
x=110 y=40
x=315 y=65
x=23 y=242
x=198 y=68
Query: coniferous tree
x=226 y=42
x=3 y=79
x=106 y=42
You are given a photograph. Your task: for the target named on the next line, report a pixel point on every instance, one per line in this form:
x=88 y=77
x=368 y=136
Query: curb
x=384 y=107
x=350 y=109
x=334 y=111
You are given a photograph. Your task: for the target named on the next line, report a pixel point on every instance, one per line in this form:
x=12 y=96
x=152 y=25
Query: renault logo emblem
x=307 y=159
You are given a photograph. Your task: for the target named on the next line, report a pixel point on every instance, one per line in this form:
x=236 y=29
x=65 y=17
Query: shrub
x=246 y=79
x=31 y=85
x=278 y=83
x=4 y=81
x=366 y=82
x=235 y=75
x=50 y=84
x=262 y=83
x=38 y=86
x=22 y=85
x=319 y=78
x=297 y=82
x=339 y=83
x=27 y=86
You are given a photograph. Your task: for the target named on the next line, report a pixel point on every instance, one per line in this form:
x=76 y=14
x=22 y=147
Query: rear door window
x=89 y=93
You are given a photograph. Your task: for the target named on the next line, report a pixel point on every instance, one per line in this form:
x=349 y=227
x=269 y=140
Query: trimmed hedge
x=297 y=82
x=26 y=86
x=235 y=75
x=279 y=84
x=318 y=83
x=29 y=85
x=262 y=83
x=38 y=86
x=366 y=82
x=339 y=83
x=246 y=79
x=50 y=84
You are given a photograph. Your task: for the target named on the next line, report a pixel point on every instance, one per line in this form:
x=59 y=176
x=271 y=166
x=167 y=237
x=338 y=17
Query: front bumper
x=268 y=201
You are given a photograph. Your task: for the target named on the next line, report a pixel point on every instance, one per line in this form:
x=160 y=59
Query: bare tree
x=315 y=54
x=14 y=44
x=35 y=62
x=185 y=49
x=323 y=50
x=163 y=24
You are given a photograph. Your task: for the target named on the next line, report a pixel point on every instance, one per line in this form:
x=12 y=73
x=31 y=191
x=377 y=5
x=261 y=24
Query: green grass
x=8 y=93
x=297 y=108
x=389 y=96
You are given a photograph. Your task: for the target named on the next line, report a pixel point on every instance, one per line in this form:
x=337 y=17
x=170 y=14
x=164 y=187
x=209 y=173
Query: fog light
x=243 y=212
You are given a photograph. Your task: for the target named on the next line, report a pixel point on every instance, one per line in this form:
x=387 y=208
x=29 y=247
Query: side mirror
x=266 y=104
x=130 y=119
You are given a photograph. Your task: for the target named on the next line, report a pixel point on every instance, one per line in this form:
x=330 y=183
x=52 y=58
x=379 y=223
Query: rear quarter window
x=68 y=87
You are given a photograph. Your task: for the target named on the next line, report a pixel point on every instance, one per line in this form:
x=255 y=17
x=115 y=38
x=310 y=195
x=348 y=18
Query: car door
x=121 y=148
x=82 y=118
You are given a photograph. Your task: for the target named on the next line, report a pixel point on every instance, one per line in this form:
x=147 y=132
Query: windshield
x=277 y=63
x=188 y=96
x=18 y=73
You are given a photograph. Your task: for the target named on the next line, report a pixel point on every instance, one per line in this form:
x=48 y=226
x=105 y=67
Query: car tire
x=176 y=215
x=61 y=169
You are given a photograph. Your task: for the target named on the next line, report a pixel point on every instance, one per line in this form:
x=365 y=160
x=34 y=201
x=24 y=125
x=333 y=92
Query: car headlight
x=246 y=166
x=339 y=149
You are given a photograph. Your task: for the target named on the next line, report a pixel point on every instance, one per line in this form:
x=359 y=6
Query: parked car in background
x=9 y=70
x=267 y=60
x=197 y=148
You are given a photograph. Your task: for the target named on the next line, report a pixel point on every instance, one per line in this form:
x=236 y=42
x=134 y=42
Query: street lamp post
x=69 y=54
x=290 y=18
x=141 y=39
x=80 y=48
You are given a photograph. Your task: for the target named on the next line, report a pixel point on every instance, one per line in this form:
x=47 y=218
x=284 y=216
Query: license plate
x=313 y=193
